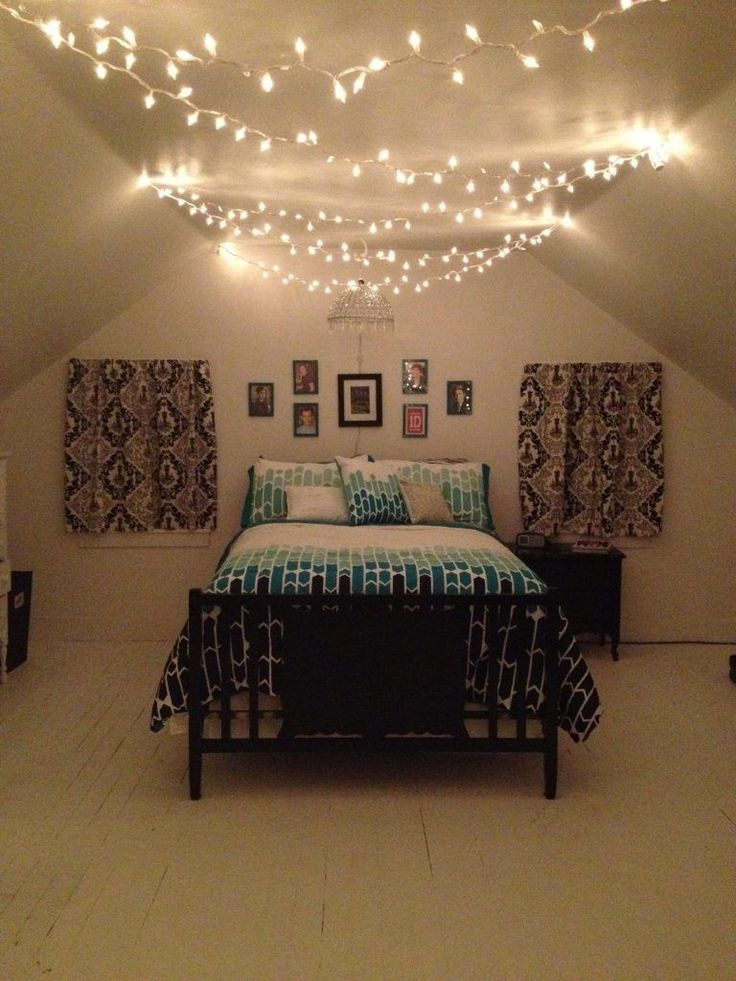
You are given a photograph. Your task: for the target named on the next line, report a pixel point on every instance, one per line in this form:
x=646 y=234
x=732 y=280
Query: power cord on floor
x=706 y=643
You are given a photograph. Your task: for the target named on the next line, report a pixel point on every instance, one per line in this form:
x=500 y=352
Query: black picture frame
x=305 y=376
x=303 y=412
x=459 y=397
x=359 y=400
x=260 y=399
x=416 y=420
x=414 y=376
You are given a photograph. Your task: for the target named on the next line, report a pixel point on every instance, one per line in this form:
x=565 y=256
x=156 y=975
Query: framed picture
x=359 y=400
x=306 y=379
x=414 y=376
x=306 y=419
x=260 y=398
x=459 y=398
x=415 y=419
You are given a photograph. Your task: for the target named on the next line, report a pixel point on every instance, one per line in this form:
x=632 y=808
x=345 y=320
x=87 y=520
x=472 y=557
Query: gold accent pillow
x=425 y=503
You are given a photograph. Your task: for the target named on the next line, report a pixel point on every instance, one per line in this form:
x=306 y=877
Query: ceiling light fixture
x=361 y=308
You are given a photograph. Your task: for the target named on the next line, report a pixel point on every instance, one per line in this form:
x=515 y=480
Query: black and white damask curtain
x=140 y=448
x=590 y=449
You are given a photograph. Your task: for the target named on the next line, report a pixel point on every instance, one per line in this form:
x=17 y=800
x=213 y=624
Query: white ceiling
x=653 y=248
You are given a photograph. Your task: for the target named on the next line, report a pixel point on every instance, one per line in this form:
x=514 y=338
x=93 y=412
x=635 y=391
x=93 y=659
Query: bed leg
x=195 y=699
x=551 y=697
x=550 y=766
x=195 y=773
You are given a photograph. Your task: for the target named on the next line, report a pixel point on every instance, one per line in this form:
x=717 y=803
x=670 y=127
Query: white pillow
x=316 y=504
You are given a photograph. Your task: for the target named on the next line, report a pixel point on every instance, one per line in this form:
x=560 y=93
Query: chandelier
x=360 y=308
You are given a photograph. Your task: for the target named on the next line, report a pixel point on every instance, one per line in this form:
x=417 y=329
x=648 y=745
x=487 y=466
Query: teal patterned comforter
x=374 y=569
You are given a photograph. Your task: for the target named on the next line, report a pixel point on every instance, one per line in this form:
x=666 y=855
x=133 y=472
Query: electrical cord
x=706 y=643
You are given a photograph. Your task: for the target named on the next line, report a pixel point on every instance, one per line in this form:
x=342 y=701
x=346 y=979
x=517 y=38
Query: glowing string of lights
x=235 y=219
x=377 y=64
x=456 y=275
x=128 y=41
x=240 y=129
x=228 y=220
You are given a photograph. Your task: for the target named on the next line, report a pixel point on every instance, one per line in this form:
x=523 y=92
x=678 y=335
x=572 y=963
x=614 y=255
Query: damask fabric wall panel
x=590 y=448
x=140 y=447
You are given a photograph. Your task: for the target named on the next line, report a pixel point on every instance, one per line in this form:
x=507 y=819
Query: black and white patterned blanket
x=304 y=559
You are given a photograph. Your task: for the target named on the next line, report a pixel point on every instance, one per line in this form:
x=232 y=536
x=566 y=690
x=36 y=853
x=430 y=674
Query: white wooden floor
x=367 y=868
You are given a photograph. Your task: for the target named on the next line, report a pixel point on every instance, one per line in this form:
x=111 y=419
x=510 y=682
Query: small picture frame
x=459 y=398
x=306 y=419
x=359 y=400
x=415 y=420
x=414 y=376
x=305 y=377
x=260 y=398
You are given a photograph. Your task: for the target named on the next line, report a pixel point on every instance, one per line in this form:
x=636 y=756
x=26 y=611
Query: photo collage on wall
x=360 y=398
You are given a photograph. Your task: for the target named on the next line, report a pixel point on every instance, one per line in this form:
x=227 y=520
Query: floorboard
x=365 y=867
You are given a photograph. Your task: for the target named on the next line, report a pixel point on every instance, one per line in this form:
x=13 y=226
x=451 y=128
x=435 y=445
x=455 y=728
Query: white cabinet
x=4 y=567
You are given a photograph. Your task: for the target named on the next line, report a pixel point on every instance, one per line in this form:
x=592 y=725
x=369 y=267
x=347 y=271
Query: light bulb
x=472 y=34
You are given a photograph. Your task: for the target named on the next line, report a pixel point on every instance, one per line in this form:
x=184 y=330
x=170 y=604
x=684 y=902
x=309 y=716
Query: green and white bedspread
x=301 y=559
x=380 y=561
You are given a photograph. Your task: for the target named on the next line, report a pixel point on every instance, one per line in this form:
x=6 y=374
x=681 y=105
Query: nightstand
x=589 y=586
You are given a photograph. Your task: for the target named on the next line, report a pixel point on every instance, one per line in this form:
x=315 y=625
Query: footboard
x=374 y=671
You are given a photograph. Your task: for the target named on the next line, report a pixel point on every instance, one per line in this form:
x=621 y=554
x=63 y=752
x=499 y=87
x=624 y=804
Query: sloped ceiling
x=79 y=242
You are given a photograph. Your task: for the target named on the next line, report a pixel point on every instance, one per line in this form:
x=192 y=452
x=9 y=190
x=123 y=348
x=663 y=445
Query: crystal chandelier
x=360 y=308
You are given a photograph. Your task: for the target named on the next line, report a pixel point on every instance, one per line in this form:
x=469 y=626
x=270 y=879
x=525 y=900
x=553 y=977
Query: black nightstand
x=589 y=585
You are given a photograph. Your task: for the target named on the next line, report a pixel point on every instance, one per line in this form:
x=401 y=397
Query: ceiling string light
x=128 y=41
x=473 y=261
x=239 y=129
x=459 y=262
x=239 y=219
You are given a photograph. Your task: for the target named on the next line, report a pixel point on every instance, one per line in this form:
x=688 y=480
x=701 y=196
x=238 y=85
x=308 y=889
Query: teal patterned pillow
x=464 y=486
x=269 y=481
x=373 y=493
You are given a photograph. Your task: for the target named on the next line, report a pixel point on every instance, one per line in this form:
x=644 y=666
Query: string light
x=483 y=259
x=181 y=57
x=523 y=186
x=377 y=64
x=214 y=214
x=564 y=181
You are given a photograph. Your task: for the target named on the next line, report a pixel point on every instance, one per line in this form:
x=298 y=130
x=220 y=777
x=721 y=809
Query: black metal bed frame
x=341 y=658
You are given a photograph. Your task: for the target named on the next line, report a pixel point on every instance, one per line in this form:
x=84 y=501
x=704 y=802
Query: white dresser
x=4 y=566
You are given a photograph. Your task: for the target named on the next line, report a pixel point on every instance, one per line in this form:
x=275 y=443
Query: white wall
x=675 y=587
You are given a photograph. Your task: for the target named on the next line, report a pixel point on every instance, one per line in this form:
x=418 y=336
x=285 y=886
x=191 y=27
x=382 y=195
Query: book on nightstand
x=592 y=546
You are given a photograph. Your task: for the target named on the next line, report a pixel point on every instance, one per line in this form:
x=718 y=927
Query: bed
x=368 y=603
